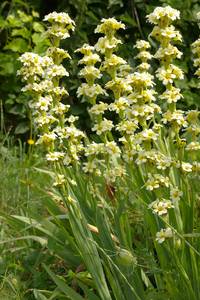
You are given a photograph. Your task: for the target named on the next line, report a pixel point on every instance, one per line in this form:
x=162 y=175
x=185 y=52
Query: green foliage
x=20 y=32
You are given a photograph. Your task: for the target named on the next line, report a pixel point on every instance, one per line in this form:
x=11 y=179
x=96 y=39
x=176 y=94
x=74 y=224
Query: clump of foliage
x=124 y=209
x=21 y=31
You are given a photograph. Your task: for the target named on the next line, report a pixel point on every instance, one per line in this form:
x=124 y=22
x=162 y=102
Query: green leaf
x=14 y=21
x=37 y=38
x=21 y=128
x=38 y=27
x=39 y=296
x=7 y=64
x=24 y=32
x=24 y=17
x=7 y=68
x=42 y=241
x=17 y=109
x=2 y=22
x=63 y=286
x=17 y=45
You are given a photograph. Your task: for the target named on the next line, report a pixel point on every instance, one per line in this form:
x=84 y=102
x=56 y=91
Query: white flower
x=59 y=180
x=104 y=44
x=155 y=181
x=170 y=74
x=94 y=149
x=43 y=103
x=142 y=44
x=90 y=166
x=171 y=95
x=98 y=109
x=152 y=183
x=56 y=71
x=163 y=13
x=90 y=59
x=176 y=117
x=44 y=120
x=90 y=73
x=175 y=194
x=59 y=91
x=127 y=126
x=111 y=62
x=143 y=79
x=47 y=138
x=60 y=108
x=164 y=234
x=41 y=87
x=160 y=207
x=119 y=105
x=55 y=156
x=109 y=25
x=61 y=18
x=86 y=49
x=90 y=91
x=170 y=52
x=148 y=135
x=144 y=55
x=186 y=167
x=112 y=149
x=119 y=85
x=103 y=126
x=193 y=146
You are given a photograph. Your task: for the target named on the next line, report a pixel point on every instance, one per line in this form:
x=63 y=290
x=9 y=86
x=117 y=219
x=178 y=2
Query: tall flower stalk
x=166 y=35
x=43 y=76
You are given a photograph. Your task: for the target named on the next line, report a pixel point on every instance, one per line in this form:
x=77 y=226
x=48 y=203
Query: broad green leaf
x=24 y=17
x=37 y=38
x=8 y=63
x=17 y=45
x=7 y=68
x=24 y=32
x=17 y=109
x=35 y=14
x=21 y=128
x=14 y=21
x=38 y=27
x=3 y=22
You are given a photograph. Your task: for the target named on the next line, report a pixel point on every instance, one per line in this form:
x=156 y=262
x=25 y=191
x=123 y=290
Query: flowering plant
x=134 y=187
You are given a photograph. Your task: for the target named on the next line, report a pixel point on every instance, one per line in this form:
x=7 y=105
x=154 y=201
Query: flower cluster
x=163 y=16
x=42 y=75
x=196 y=52
x=107 y=44
x=90 y=90
x=60 y=25
x=168 y=73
